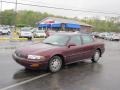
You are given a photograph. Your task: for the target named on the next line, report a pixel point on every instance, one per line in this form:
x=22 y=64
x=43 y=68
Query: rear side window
x=76 y=40
x=87 y=39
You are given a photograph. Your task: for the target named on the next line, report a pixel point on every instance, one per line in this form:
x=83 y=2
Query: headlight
x=35 y=57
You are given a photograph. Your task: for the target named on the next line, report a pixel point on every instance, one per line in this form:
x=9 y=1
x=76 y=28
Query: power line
x=31 y=1
x=68 y=9
x=35 y=2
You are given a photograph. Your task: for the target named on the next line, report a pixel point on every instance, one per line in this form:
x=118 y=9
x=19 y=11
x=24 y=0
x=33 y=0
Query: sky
x=107 y=6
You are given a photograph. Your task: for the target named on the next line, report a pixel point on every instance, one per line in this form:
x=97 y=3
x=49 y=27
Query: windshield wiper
x=48 y=43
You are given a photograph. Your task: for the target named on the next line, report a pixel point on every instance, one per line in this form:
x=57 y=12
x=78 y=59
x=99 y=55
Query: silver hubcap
x=55 y=65
x=97 y=56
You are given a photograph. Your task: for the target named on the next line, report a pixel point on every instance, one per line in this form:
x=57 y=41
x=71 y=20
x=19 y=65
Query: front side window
x=76 y=40
x=87 y=39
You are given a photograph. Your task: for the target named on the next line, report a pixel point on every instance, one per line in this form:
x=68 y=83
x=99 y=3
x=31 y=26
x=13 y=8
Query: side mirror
x=71 y=44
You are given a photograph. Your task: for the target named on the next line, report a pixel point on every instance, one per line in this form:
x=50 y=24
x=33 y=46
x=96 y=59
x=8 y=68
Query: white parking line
x=24 y=82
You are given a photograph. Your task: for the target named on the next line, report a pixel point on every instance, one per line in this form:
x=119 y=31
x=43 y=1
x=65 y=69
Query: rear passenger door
x=87 y=46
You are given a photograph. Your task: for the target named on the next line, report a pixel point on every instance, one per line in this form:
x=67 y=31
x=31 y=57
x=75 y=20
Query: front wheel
x=55 y=64
x=96 y=56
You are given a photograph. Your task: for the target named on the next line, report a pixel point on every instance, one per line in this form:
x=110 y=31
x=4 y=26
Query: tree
x=8 y=17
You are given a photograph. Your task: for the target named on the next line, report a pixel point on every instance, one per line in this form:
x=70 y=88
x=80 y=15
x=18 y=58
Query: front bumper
x=30 y=64
x=38 y=36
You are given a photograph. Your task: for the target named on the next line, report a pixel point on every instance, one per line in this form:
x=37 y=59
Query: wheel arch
x=99 y=51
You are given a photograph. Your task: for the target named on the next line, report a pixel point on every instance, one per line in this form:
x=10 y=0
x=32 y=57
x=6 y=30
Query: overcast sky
x=112 y=6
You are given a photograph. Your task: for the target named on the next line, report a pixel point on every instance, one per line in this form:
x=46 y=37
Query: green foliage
x=23 y=17
x=7 y=17
x=21 y=25
x=107 y=25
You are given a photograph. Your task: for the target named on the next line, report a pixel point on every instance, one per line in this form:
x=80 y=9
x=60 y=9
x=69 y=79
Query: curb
x=19 y=39
x=8 y=48
x=4 y=38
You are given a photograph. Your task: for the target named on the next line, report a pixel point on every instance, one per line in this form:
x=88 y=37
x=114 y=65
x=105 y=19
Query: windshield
x=26 y=29
x=40 y=31
x=57 y=40
x=5 y=29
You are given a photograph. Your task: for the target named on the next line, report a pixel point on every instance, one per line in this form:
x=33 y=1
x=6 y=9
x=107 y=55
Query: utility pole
x=15 y=14
x=0 y=5
x=0 y=12
x=15 y=20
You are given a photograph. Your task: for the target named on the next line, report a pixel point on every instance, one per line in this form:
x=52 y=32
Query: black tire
x=30 y=38
x=8 y=33
x=55 y=64
x=96 y=56
x=20 y=37
x=28 y=69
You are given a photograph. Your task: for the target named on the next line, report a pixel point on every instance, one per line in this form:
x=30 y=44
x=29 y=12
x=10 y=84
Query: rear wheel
x=96 y=56
x=55 y=64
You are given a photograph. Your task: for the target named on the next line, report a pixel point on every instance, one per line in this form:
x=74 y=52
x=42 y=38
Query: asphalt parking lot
x=103 y=75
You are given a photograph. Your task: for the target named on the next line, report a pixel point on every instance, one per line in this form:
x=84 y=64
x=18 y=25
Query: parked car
x=58 y=50
x=26 y=33
x=5 y=30
x=39 y=33
x=112 y=36
x=34 y=29
x=108 y=37
x=115 y=37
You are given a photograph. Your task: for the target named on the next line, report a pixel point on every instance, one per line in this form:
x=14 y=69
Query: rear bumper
x=115 y=39
x=30 y=64
x=25 y=36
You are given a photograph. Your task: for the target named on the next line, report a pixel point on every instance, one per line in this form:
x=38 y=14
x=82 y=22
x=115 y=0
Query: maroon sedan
x=58 y=50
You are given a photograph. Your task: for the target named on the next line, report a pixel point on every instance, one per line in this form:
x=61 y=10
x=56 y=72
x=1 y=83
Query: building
x=63 y=24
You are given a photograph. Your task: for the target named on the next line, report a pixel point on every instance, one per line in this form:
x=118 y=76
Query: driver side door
x=74 y=52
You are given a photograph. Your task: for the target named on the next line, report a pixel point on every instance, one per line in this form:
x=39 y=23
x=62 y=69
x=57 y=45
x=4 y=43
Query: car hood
x=26 y=32
x=40 y=33
x=36 y=48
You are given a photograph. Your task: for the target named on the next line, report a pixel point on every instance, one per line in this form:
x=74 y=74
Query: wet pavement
x=15 y=44
x=103 y=75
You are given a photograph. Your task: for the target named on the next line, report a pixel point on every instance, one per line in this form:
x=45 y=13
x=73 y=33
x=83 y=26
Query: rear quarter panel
x=100 y=46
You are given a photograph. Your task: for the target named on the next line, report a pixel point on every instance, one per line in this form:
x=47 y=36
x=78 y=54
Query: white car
x=5 y=30
x=115 y=37
x=39 y=33
x=26 y=33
